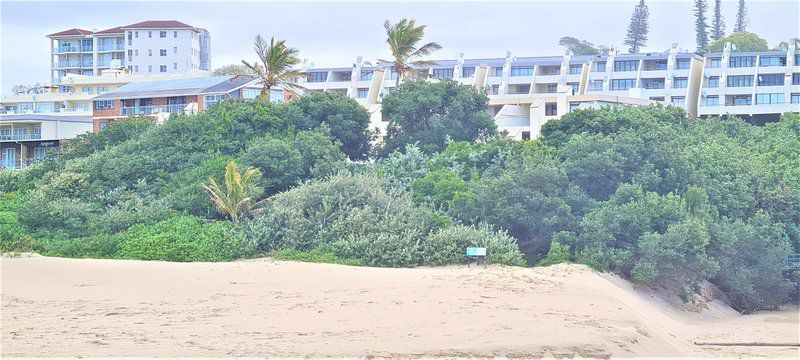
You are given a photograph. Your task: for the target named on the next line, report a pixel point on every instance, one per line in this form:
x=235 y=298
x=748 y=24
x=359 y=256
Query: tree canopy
x=743 y=42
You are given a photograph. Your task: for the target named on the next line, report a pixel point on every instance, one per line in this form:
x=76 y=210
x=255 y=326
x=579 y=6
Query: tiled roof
x=158 y=24
x=71 y=32
x=175 y=87
x=116 y=30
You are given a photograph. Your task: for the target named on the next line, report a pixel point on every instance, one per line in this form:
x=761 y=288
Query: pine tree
x=700 y=24
x=638 y=28
x=741 y=18
x=718 y=23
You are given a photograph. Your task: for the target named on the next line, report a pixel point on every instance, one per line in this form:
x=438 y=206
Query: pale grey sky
x=334 y=33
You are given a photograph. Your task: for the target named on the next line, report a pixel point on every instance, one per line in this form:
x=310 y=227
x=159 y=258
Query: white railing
x=111 y=47
x=20 y=137
x=151 y=110
x=66 y=64
x=47 y=111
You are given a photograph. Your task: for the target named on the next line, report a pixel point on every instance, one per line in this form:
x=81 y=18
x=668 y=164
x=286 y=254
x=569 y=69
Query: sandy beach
x=99 y=308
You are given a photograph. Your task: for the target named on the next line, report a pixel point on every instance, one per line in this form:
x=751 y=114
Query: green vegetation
x=275 y=66
x=646 y=192
x=577 y=46
x=403 y=39
x=638 y=29
x=741 y=42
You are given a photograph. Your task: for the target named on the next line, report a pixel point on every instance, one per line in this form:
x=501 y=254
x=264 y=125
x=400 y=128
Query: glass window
x=575 y=87
x=679 y=100
x=601 y=66
x=596 y=85
x=497 y=71
x=392 y=75
x=174 y=49
x=574 y=106
x=623 y=84
x=149 y=68
x=366 y=76
x=772 y=61
x=713 y=81
x=795 y=98
x=150 y=34
x=175 y=34
x=250 y=93
x=162 y=34
x=770 y=79
x=521 y=70
x=443 y=73
x=468 y=72
x=626 y=65
x=742 y=61
x=163 y=52
x=740 y=100
x=104 y=104
x=575 y=69
x=796 y=78
x=521 y=89
x=551 y=70
x=680 y=83
x=552 y=88
x=653 y=83
x=550 y=109
x=175 y=66
x=714 y=62
x=149 y=52
x=362 y=92
x=712 y=100
x=212 y=99
x=495 y=89
x=102 y=89
x=682 y=64
x=770 y=99
x=740 y=80
x=136 y=68
x=162 y=68
x=319 y=76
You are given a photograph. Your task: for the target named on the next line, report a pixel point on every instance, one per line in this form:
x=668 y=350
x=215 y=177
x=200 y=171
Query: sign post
x=476 y=253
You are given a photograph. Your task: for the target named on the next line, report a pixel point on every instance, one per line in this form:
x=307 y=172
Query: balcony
x=107 y=62
x=152 y=110
x=73 y=64
x=111 y=47
x=19 y=137
x=82 y=111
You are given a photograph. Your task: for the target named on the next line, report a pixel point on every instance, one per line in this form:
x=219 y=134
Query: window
x=679 y=100
x=575 y=87
x=250 y=93
x=552 y=88
x=714 y=62
x=212 y=99
x=174 y=34
x=162 y=68
x=795 y=98
x=468 y=72
x=149 y=52
x=497 y=71
x=495 y=89
x=149 y=68
x=162 y=34
x=521 y=89
x=596 y=85
x=521 y=70
x=129 y=39
x=680 y=83
x=443 y=73
x=104 y=104
x=575 y=69
x=796 y=78
x=366 y=76
x=740 y=80
x=102 y=89
x=174 y=66
x=770 y=99
x=174 y=49
x=626 y=65
x=797 y=59
x=88 y=90
x=574 y=106
x=772 y=61
x=550 y=109
x=136 y=68
x=658 y=65
x=713 y=81
x=682 y=64
x=39 y=153
x=551 y=70
x=739 y=100
x=136 y=34
x=623 y=84
x=742 y=61
x=136 y=52
x=601 y=66
x=162 y=52
x=362 y=93
x=150 y=34
x=770 y=79
x=347 y=76
x=712 y=100
x=316 y=77
x=653 y=83
x=392 y=75
x=526 y=135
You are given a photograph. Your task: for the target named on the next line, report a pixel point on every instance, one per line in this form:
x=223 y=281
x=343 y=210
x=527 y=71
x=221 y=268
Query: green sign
x=476 y=251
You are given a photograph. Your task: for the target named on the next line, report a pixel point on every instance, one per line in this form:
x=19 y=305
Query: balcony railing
x=152 y=110
x=77 y=64
x=17 y=137
x=16 y=164
x=111 y=47
x=106 y=63
x=44 y=111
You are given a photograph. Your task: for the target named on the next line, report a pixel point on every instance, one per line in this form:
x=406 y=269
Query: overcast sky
x=334 y=33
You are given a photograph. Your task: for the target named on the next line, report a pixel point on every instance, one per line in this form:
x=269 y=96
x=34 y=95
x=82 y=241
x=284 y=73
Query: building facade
x=27 y=138
x=148 y=47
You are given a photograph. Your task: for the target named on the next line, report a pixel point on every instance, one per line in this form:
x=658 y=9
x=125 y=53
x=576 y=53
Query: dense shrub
x=317 y=255
x=448 y=245
x=347 y=119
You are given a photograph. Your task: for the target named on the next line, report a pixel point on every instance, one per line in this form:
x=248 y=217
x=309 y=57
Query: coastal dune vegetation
x=646 y=192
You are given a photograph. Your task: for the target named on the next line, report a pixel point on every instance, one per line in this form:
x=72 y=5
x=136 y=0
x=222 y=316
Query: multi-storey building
x=148 y=47
x=526 y=92
x=162 y=98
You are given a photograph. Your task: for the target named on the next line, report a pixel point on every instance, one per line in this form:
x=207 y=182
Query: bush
x=315 y=256
x=448 y=246
x=183 y=238
x=347 y=119
x=185 y=189
x=558 y=254
x=14 y=236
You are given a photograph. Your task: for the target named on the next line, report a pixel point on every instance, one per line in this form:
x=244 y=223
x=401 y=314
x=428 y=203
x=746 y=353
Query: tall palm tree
x=275 y=65
x=238 y=196
x=403 y=38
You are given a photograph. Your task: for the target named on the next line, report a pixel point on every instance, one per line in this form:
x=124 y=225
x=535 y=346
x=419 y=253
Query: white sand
x=65 y=307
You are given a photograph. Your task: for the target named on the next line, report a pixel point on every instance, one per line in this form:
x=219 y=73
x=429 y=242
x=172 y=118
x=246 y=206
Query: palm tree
x=238 y=196
x=402 y=38
x=275 y=65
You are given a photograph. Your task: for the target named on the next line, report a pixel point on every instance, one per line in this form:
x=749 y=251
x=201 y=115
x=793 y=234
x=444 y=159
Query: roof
x=176 y=87
x=116 y=30
x=158 y=24
x=71 y=32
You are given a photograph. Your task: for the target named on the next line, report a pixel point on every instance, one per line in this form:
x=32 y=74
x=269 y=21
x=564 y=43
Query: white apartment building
x=526 y=92
x=148 y=47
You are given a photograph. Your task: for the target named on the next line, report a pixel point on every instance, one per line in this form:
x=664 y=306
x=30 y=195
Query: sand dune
x=67 y=307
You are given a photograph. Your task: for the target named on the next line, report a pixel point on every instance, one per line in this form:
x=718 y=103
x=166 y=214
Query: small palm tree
x=275 y=65
x=402 y=38
x=238 y=196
